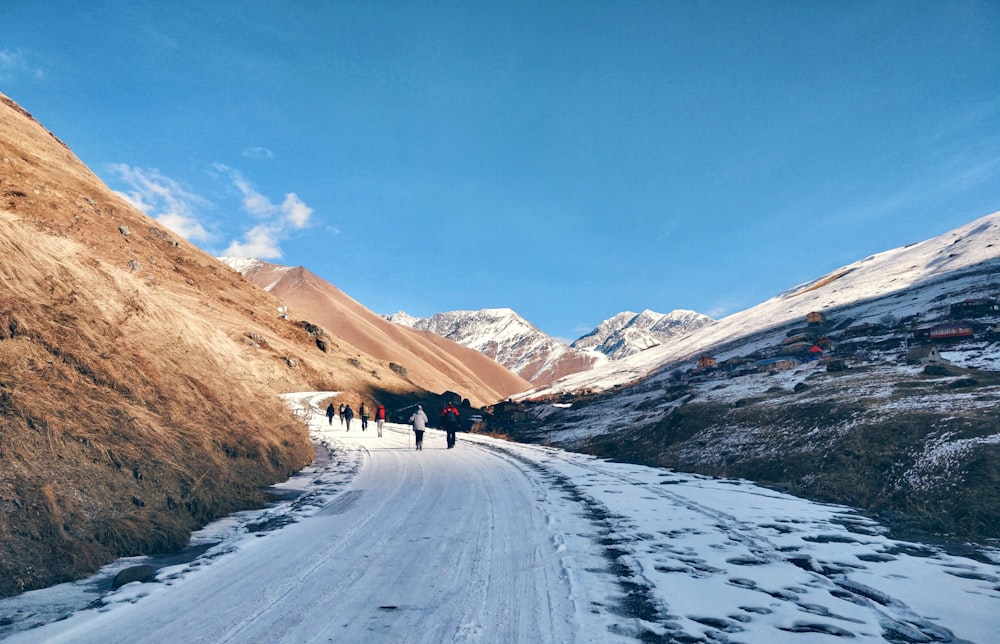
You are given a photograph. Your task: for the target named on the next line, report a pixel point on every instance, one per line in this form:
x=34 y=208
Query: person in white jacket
x=419 y=421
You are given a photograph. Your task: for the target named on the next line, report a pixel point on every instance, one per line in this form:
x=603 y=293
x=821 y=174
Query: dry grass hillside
x=138 y=375
x=431 y=361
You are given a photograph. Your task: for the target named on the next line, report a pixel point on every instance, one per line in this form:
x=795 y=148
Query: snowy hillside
x=919 y=280
x=509 y=339
x=629 y=333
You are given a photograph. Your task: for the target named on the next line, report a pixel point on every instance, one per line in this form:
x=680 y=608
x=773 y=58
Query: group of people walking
x=419 y=420
x=347 y=415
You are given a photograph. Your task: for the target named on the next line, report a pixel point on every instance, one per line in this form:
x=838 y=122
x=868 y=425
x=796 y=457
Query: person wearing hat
x=419 y=421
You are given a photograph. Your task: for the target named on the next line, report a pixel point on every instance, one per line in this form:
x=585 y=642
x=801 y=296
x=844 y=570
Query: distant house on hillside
x=815 y=318
x=924 y=354
x=861 y=330
x=734 y=362
x=782 y=363
x=941 y=332
x=510 y=411
x=797 y=348
x=707 y=362
x=797 y=338
x=451 y=397
x=976 y=307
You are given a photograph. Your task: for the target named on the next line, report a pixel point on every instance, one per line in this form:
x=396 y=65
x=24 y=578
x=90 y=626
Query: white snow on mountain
x=629 y=333
x=245 y=265
x=508 y=338
x=919 y=280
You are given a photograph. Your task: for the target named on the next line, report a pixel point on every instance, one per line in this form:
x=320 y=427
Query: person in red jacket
x=449 y=419
x=380 y=419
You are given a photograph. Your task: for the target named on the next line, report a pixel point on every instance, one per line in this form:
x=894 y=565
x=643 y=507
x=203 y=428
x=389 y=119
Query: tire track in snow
x=899 y=623
x=638 y=602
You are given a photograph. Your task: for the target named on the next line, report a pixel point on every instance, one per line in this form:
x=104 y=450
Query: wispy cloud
x=263 y=241
x=182 y=211
x=165 y=200
x=257 y=152
x=14 y=64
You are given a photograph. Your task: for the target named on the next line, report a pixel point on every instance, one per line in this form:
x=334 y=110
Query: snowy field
x=500 y=542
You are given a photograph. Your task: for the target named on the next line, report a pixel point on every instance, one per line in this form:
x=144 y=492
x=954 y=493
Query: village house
x=798 y=350
x=824 y=343
x=815 y=318
x=862 y=330
x=943 y=332
x=782 y=363
x=924 y=354
x=975 y=307
x=799 y=338
x=707 y=362
x=732 y=363
x=451 y=397
x=509 y=411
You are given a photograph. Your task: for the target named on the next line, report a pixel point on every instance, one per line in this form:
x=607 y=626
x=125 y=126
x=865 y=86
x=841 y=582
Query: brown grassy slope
x=434 y=363
x=138 y=375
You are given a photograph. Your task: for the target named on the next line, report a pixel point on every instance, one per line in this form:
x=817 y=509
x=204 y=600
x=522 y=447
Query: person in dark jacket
x=341 y=414
x=348 y=416
x=449 y=419
x=330 y=413
x=363 y=412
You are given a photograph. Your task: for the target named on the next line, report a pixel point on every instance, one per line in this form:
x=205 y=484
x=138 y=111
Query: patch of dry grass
x=132 y=407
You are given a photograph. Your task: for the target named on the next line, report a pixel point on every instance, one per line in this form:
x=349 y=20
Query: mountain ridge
x=629 y=333
x=432 y=362
x=507 y=338
x=511 y=340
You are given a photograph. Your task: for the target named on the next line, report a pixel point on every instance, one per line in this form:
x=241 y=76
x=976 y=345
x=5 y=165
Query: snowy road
x=499 y=542
x=432 y=546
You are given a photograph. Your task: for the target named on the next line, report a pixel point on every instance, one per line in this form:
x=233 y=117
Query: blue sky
x=569 y=160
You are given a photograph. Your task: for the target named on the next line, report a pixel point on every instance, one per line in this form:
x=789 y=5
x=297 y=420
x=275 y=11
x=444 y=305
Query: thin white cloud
x=257 y=152
x=165 y=200
x=14 y=64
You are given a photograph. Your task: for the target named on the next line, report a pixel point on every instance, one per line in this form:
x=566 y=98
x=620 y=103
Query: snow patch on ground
x=625 y=553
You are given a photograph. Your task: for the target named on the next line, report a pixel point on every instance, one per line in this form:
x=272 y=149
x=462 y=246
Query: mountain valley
x=139 y=377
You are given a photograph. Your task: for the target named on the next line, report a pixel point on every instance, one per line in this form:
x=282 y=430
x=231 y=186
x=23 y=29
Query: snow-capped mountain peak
x=629 y=333
x=508 y=338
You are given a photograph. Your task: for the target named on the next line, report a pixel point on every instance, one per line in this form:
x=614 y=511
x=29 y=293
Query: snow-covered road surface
x=499 y=542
